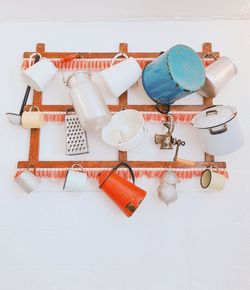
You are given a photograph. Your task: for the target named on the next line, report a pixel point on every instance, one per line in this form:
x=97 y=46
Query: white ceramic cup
x=118 y=78
x=75 y=180
x=218 y=74
x=27 y=180
x=212 y=180
x=32 y=119
x=125 y=131
x=38 y=75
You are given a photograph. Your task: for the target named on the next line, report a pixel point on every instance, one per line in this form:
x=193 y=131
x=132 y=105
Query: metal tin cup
x=175 y=74
x=75 y=180
x=27 y=180
x=32 y=119
x=125 y=131
x=118 y=78
x=38 y=75
x=218 y=74
x=212 y=180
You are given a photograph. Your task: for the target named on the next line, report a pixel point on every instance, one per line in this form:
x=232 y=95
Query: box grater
x=76 y=136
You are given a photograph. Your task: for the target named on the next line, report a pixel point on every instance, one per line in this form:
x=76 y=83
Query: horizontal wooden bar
x=111 y=164
x=94 y=55
x=116 y=108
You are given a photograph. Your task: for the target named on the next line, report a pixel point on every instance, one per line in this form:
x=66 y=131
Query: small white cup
x=38 y=75
x=27 y=180
x=117 y=79
x=32 y=119
x=212 y=180
x=75 y=180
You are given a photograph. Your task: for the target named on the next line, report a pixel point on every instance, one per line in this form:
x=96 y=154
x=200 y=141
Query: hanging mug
x=118 y=78
x=212 y=180
x=38 y=75
x=27 y=180
x=218 y=74
x=125 y=194
x=75 y=180
x=32 y=119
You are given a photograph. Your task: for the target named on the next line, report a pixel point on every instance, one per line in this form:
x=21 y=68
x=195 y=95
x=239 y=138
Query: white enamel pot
x=125 y=131
x=218 y=130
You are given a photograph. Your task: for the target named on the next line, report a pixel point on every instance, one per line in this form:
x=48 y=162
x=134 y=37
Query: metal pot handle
x=211 y=112
x=115 y=168
x=220 y=131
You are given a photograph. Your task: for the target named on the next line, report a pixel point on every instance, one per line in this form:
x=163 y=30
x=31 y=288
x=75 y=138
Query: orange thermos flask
x=125 y=194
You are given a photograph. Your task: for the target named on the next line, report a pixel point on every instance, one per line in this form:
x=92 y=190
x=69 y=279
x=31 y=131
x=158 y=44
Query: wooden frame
x=33 y=159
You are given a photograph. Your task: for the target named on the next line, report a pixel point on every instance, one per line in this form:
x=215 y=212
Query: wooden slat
x=116 y=108
x=35 y=133
x=111 y=164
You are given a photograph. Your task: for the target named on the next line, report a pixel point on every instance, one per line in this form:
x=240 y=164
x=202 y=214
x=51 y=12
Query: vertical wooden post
x=123 y=101
x=207 y=48
x=35 y=133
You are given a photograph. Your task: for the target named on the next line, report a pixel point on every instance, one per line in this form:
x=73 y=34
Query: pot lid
x=214 y=116
x=186 y=67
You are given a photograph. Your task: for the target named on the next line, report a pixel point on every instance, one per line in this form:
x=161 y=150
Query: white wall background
x=57 y=241
x=81 y=10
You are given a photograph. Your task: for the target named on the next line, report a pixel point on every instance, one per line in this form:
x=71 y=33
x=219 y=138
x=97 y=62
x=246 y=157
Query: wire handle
x=115 y=168
x=118 y=55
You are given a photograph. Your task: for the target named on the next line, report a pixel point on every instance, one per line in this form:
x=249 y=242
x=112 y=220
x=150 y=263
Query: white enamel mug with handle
x=38 y=75
x=27 y=180
x=32 y=119
x=118 y=78
x=212 y=180
x=125 y=131
x=75 y=179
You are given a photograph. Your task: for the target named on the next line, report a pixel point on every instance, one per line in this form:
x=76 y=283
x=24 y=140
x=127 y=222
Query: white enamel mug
x=118 y=78
x=212 y=180
x=38 y=75
x=27 y=180
x=32 y=119
x=125 y=131
x=218 y=74
x=75 y=179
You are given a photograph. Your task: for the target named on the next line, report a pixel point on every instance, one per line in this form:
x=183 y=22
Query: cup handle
x=118 y=55
x=77 y=165
x=34 y=54
x=34 y=107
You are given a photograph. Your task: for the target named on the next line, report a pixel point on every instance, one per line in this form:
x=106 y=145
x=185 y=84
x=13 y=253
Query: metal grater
x=76 y=136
